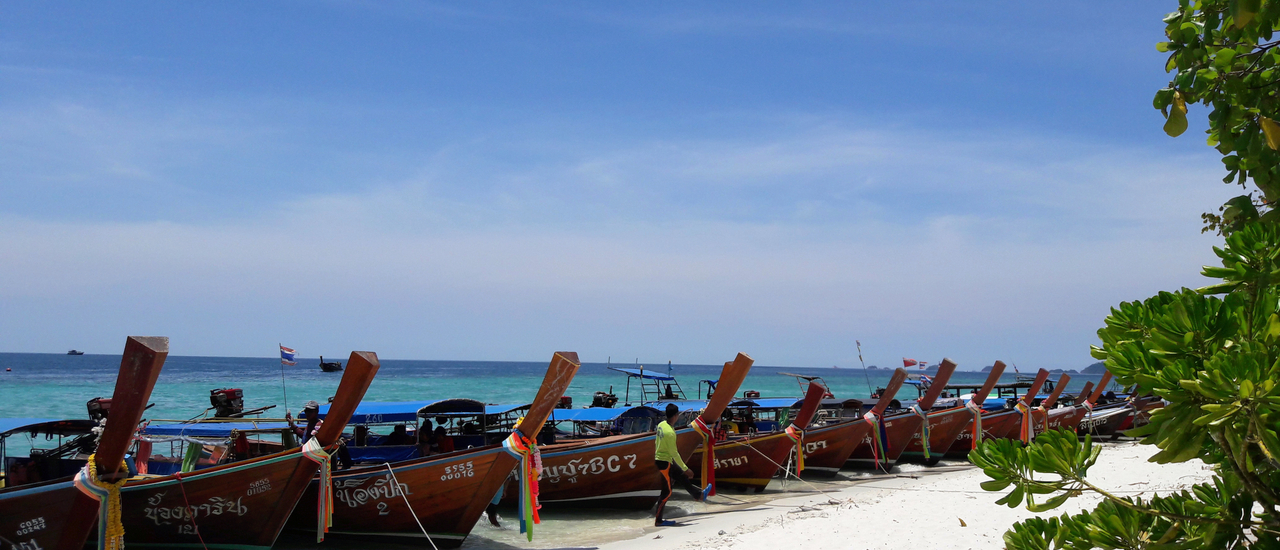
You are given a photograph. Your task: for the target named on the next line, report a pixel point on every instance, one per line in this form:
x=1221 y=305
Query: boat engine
x=751 y=394
x=227 y=402
x=603 y=399
x=566 y=402
x=98 y=408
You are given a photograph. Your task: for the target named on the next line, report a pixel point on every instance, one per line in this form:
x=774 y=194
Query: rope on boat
x=708 y=455
x=110 y=526
x=324 y=507
x=924 y=427
x=785 y=470
x=190 y=516
x=977 y=422
x=409 y=506
x=526 y=451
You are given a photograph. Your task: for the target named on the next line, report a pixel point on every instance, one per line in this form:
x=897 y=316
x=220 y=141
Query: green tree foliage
x=1221 y=55
x=1214 y=355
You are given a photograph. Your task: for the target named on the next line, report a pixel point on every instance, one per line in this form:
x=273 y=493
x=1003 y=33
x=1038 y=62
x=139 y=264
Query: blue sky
x=501 y=180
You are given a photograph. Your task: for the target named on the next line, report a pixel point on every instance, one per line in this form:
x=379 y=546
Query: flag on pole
x=924 y=364
x=909 y=362
x=286 y=356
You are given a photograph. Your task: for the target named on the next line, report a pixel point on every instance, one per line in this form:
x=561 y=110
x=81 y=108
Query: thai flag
x=286 y=356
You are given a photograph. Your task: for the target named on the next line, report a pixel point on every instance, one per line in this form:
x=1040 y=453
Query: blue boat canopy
x=684 y=405
x=213 y=429
x=769 y=403
x=10 y=426
x=467 y=407
x=373 y=412
x=647 y=375
x=600 y=414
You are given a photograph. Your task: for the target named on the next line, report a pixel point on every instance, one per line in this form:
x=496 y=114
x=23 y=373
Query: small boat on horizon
x=75 y=352
x=332 y=366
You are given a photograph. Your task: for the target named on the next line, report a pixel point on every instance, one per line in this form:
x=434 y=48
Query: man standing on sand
x=664 y=454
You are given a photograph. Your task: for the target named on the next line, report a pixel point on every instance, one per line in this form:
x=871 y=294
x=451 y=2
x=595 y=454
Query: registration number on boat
x=33 y=545
x=31 y=526
x=458 y=471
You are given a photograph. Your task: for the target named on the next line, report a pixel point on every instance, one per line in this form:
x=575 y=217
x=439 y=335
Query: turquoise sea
x=57 y=386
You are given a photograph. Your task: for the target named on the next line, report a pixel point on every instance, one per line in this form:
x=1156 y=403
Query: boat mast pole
x=282 y=385
x=870 y=390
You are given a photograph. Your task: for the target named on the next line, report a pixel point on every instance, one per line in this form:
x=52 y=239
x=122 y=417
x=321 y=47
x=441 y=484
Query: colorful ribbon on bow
x=877 y=437
x=324 y=505
x=1025 y=431
x=797 y=437
x=526 y=451
x=708 y=455
x=977 y=422
x=1044 y=410
x=924 y=427
x=110 y=527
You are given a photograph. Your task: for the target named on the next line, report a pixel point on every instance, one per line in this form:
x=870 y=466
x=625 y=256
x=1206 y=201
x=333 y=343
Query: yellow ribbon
x=110 y=526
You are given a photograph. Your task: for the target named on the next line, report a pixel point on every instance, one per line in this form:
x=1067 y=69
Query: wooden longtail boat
x=447 y=493
x=1048 y=417
x=1024 y=408
x=829 y=446
x=997 y=424
x=948 y=425
x=751 y=460
x=1103 y=420
x=240 y=505
x=1142 y=407
x=900 y=429
x=619 y=471
x=55 y=515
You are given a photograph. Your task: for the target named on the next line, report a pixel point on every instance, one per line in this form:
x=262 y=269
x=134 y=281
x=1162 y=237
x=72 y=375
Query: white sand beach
x=932 y=509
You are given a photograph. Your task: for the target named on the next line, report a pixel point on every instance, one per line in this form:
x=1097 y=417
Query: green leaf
x=1177 y=122
x=1242 y=11
x=995 y=484
x=1049 y=504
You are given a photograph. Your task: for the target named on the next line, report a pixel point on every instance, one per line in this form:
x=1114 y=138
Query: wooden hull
x=1105 y=422
x=746 y=462
x=36 y=516
x=944 y=427
x=994 y=426
x=1061 y=418
x=447 y=493
x=899 y=430
x=611 y=472
x=235 y=506
x=827 y=448
x=1141 y=416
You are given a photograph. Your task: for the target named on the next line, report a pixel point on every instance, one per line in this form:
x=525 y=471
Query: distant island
x=1096 y=368
x=1051 y=371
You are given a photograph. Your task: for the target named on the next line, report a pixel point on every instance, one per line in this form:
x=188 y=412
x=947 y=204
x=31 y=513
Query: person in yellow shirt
x=665 y=453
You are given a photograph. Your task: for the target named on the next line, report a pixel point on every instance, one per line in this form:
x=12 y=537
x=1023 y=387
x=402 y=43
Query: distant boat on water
x=75 y=352
x=334 y=366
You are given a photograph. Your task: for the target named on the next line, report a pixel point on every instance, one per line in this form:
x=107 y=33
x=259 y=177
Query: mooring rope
x=409 y=506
